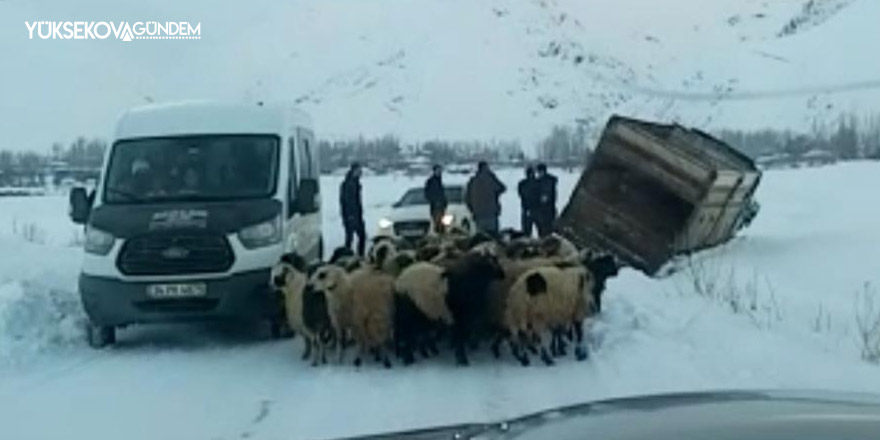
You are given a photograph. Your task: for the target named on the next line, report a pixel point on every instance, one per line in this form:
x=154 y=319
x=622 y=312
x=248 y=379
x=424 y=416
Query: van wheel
x=466 y=225
x=100 y=336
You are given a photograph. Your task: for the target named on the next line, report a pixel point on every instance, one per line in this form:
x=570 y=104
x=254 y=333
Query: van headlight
x=262 y=234
x=98 y=242
x=447 y=219
x=385 y=223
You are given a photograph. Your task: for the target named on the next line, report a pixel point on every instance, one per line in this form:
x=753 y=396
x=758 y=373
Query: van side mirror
x=307 y=197
x=80 y=206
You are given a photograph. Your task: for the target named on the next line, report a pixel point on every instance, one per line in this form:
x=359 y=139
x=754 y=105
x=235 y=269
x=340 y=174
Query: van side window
x=310 y=159
x=292 y=178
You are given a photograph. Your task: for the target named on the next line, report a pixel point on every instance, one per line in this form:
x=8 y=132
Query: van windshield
x=217 y=167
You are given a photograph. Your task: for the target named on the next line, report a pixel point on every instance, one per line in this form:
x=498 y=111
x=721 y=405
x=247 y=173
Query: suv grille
x=412 y=229
x=178 y=254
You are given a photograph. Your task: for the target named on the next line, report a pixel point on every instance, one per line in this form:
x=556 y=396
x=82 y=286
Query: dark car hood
x=127 y=220
x=760 y=415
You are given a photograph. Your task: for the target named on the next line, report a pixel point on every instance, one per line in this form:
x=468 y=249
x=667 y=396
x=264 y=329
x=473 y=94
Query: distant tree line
x=29 y=168
x=847 y=138
x=564 y=146
x=390 y=153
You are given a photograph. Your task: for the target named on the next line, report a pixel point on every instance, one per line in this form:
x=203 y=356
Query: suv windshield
x=416 y=196
x=225 y=167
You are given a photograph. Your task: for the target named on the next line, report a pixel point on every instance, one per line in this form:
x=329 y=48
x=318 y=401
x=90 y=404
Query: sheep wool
x=425 y=284
x=372 y=309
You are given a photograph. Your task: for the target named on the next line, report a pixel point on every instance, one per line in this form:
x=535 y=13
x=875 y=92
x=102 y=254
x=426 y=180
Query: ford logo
x=175 y=253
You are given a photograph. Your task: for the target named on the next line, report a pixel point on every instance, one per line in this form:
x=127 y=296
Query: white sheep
x=289 y=277
x=545 y=302
x=370 y=321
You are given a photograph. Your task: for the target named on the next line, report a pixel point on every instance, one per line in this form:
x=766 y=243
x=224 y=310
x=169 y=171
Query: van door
x=304 y=197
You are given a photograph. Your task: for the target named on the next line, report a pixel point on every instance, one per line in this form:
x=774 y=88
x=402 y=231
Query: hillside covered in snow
x=455 y=69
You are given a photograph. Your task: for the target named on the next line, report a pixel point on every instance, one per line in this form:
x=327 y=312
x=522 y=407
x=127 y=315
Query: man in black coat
x=435 y=194
x=482 y=196
x=546 y=212
x=529 y=201
x=352 y=208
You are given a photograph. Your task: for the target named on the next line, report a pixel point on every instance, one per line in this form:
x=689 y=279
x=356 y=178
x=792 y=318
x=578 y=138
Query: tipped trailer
x=652 y=191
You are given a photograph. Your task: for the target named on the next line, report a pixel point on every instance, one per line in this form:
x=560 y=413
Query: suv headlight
x=385 y=223
x=447 y=219
x=98 y=242
x=261 y=234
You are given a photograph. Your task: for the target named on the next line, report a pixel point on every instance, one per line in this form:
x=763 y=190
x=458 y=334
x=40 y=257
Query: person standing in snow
x=435 y=194
x=546 y=212
x=352 y=208
x=529 y=198
x=482 y=198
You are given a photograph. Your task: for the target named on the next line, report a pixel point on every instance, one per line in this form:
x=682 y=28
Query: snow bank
x=35 y=318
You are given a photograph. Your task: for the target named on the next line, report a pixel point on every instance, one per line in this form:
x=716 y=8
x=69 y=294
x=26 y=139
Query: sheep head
x=288 y=268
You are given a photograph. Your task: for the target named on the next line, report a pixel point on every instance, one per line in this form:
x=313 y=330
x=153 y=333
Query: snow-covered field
x=786 y=320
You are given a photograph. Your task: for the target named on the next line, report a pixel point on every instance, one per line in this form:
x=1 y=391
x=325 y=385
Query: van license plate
x=169 y=291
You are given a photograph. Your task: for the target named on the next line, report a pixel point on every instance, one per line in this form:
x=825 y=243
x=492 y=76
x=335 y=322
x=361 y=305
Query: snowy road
x=811 y=250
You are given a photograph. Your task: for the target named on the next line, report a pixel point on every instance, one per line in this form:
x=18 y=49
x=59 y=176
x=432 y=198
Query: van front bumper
x=243 y=296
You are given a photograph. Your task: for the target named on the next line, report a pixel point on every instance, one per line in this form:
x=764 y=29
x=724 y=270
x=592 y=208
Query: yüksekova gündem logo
x=123 y=30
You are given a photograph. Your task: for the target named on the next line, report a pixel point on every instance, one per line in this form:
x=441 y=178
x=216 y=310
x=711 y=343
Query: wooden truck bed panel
x=651 y=191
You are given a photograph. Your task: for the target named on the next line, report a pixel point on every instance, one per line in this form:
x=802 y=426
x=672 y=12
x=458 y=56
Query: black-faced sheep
x=602 y=267
x=557 y=246
x=289 y=277
x=372 y=313
x=381 y=252
x=421 y=313
x=469 y=280
x=545 y=302
x=346 y=259
x=327 y=307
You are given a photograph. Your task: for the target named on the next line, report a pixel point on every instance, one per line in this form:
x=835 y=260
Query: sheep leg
x=561 y=346
x=425 y=349
x=307 y=350
x=496 y=345
x=357 y=358
x=517 y=350
x=386 y=360
x=580 y=351
x=545 y=354
x=317 y=356
x=554 y=345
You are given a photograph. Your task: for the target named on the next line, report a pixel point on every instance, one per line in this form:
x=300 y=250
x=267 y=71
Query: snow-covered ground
x=786 y=320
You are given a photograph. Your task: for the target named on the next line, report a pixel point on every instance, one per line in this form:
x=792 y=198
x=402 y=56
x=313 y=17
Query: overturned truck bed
x=652 y=191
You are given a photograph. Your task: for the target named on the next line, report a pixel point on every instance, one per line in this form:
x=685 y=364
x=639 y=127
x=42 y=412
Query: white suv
x=410 y=217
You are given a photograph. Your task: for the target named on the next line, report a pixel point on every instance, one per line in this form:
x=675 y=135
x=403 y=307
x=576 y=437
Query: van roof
x=209 y=117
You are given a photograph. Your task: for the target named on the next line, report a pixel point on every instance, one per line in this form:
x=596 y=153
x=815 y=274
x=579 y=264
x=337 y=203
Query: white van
x=196 y=202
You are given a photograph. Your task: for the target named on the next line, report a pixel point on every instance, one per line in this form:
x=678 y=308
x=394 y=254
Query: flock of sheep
x=406 y=299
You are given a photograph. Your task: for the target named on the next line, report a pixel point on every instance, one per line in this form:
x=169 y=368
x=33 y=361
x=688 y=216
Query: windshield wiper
x=130 y=196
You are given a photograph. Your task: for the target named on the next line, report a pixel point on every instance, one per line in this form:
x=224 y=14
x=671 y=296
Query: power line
x=755 y=95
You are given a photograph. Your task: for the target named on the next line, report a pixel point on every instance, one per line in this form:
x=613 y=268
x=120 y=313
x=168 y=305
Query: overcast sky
x=55 y=90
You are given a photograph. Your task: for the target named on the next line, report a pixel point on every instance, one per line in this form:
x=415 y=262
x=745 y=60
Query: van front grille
x=177 y=254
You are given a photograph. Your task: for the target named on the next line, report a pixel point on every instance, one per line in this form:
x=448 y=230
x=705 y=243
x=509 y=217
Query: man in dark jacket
x=352 y=208
x=529 y=198
x=546 y=212
x=435 y=194
x=482 y=198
